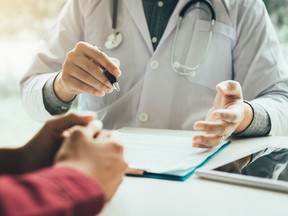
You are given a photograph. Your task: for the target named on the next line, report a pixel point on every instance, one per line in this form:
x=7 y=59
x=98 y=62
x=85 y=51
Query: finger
x=82 y=81
x=230 y=89
x=206 y=140
x=110 y=139
x=217 y=128
x=228 y=115
x=97 y=124
x=94 y=70
x=115 y=61
x=90 y=130
x=117 y=147
x=98 y=56
x=103 y=134
x=66 y=121
x=93 y=127
x=113 y=136
x=80 y=87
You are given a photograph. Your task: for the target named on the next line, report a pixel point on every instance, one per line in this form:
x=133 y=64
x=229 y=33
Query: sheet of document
x=162 y=153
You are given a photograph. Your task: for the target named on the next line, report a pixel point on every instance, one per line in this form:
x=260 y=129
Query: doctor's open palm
x=82 y=72
x=229 y=114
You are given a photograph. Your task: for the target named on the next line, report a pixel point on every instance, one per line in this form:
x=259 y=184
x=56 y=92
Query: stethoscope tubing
x=192 y=2
x=115 y=39
x=114 y=14
x=176 y=66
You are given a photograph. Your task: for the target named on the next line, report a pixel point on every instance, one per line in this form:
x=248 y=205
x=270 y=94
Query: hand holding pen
x=86 y=69
x=112 y=79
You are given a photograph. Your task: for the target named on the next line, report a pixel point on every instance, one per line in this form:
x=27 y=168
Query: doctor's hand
x=228 y=115
x=82 y=72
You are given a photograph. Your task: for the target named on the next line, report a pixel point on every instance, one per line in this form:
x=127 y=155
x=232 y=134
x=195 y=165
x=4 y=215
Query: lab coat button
x=160 y=3
x=154 y=64
x=154 y=39
x=143 y=117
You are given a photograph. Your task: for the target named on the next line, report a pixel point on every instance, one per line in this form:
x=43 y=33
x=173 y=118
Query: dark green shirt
x=157 y=15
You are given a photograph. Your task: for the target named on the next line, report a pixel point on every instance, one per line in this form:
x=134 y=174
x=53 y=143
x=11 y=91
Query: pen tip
x=116 y=86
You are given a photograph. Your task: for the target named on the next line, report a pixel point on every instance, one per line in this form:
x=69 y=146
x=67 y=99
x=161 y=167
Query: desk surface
x=148 y=197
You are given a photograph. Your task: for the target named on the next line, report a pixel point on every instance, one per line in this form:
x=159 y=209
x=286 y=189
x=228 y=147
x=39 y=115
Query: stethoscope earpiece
x=113 y=40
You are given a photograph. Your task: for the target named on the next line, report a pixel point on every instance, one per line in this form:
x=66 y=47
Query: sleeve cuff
x=261 y=123
x=53 y=104
x=51 y=191
x=85 y=196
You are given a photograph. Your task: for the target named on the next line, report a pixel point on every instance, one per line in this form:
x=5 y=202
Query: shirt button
x=154 y=64
x=160 y=3
x=154 y=39
x=143 y=117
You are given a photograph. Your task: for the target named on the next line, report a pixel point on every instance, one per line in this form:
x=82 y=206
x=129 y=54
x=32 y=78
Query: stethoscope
x=116 y=38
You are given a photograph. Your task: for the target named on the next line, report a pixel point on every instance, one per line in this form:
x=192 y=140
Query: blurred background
x=23 y=23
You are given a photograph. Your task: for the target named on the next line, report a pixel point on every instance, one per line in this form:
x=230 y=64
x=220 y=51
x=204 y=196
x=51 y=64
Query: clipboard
x=167 y=157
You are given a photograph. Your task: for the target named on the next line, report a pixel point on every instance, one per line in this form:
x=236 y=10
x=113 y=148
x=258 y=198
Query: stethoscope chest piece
x=114 y=40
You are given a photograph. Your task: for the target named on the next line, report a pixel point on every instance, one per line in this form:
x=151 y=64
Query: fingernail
x=87 y=113
x=197 y=139
x=217 y=116
x=66 y=134
x=102 y=94
x=223 y=87
x=115 y=61
x=117 y=72
x=199 y=127
x=97 y=123
x=109 y=90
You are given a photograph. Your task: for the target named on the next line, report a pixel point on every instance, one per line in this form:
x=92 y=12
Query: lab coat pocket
x=214 y=58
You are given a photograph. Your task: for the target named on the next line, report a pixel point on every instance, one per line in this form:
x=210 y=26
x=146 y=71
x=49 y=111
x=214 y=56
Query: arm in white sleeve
x=259 y=64
x=62 y=38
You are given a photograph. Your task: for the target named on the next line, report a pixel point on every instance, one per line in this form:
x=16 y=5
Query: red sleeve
x=53 y=191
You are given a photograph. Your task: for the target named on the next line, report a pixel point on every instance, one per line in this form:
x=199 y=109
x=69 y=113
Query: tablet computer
x=267 y=169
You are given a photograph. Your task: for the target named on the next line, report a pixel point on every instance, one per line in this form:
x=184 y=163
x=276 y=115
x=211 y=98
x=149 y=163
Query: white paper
x=162 y=153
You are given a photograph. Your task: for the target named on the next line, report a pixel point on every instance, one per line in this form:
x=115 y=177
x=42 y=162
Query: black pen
x=112 y=79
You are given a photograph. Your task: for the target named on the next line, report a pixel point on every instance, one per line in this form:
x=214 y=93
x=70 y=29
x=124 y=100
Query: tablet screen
x=271 y=163
x=267 y=169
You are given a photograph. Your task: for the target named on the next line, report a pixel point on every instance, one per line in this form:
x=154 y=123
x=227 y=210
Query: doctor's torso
x=152 y=94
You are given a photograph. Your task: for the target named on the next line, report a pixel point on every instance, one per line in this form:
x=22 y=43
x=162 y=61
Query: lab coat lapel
x=135 y=8
x=173 y=21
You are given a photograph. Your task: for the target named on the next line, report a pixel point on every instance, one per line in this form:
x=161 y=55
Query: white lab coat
x=244 y=47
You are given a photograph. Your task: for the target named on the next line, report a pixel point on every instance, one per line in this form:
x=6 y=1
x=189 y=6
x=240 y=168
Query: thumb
x=230 y=89
x=90 y=130
x=116 y=62
x=69 y=120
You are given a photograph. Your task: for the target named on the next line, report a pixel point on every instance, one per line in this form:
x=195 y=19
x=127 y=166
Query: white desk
x=152 y=197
